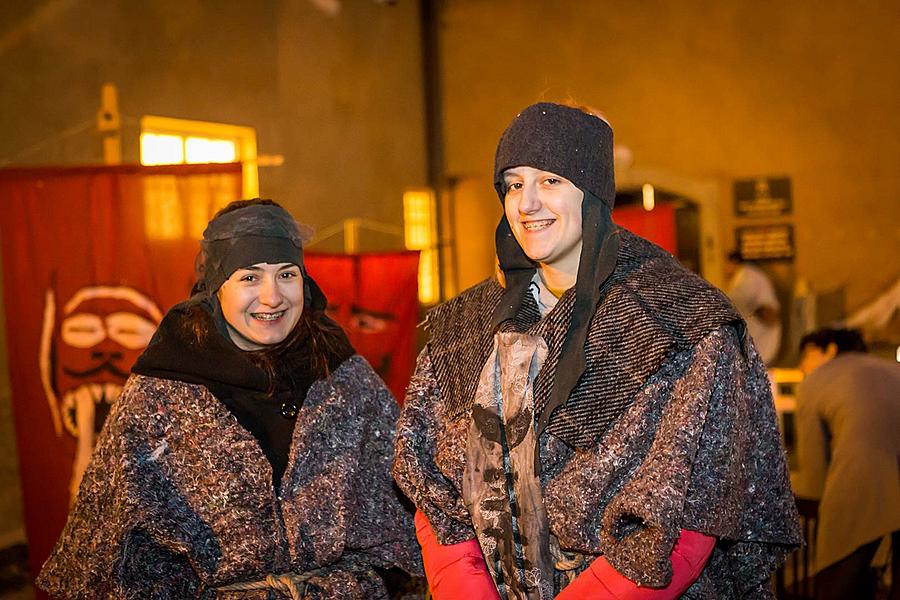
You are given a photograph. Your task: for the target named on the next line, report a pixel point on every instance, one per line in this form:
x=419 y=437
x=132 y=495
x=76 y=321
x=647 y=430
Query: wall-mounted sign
x=765 y=242
x=762 y=197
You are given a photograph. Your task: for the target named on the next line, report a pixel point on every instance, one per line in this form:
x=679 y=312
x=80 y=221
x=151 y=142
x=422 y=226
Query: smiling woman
x=596 y=425
x=249 y=449
x=544 y=212
x=262 y=304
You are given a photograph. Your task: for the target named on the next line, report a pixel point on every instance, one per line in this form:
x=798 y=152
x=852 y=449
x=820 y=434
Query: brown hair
x=317 y=344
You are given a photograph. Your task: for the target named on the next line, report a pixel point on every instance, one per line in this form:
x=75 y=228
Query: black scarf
x=229 y=373
x=649 y=308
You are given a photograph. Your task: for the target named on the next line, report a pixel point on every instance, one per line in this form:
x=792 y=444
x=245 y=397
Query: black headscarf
x=578 y=146
x=256 y=233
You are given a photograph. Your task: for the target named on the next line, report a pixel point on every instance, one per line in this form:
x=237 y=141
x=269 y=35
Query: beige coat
x=848 y=436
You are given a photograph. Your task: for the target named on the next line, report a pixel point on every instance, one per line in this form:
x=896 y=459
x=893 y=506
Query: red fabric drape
x=375 y=299
x=92 y=257
x=657 y=225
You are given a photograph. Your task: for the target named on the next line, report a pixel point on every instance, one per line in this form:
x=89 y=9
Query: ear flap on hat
x=517 y=268
x=599 y=251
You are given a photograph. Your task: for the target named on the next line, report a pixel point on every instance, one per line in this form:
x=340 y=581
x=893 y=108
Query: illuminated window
x=420 y=233
x=206 y=150
x=167 y=141
x=161 y=149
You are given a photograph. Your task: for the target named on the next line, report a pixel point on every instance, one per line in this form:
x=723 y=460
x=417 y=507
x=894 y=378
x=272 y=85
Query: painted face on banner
x=99 y=335
x=375 y=332
x=88 y=345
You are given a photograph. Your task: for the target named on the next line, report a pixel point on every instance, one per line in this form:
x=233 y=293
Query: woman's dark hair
x=316 y=345
x=846 y=340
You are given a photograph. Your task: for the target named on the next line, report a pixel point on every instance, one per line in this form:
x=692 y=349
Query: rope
x=565 y=561
x=288 y=584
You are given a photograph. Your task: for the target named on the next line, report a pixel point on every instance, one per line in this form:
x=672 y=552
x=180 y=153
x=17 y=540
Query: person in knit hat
x=600 y=425
x=249 y=452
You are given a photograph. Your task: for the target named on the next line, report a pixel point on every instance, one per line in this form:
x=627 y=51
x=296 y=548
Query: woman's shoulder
x=356 y=374
x=146 y=393
x=476 y=300
x=354 y=386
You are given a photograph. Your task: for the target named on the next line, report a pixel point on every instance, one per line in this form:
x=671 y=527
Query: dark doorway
x=673 y=223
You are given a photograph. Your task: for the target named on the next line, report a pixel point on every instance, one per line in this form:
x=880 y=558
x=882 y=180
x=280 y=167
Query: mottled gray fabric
x=698 y=449
x=178 y=498
x=652 y=308
x=671 y=427
x=653 y=415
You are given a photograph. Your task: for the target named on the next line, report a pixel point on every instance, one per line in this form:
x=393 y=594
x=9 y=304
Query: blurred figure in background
x=848 y=430
x=753 y=294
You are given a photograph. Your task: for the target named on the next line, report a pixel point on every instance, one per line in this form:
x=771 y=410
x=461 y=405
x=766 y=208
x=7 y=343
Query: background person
x=249 y=441
x=848 y=452
x=753 y=294
x=598 y=427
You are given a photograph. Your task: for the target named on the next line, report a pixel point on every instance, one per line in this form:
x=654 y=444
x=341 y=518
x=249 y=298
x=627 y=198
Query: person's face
x=262 y=303
x=544 y=212
x=812 y=357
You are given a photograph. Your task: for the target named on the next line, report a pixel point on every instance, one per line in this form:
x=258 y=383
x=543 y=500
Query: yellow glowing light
x=205 y=142
x=420 y=233
x=161 y=149
x=207 y=150
x=163 y=219
x=649 y=196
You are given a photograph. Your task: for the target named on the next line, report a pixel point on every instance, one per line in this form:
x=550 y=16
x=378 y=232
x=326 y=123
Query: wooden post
x=108 y=124
x=351 y=236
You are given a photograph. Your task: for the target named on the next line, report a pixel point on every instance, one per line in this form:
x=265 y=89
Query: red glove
x=601 y=582
x=456 y=570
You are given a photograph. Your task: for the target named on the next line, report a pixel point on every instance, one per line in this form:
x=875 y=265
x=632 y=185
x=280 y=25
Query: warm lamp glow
x=206 y=150
x=649 y=197
x=161 y=149
x=172 y=141
x=420 y=233
x=163 y=219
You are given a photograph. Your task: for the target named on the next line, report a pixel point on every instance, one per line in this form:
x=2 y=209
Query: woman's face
x=262 y=303
x=544 y=213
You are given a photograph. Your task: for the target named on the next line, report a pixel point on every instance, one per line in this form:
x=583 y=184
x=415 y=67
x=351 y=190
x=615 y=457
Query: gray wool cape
x=672 y=426
x=178 y=498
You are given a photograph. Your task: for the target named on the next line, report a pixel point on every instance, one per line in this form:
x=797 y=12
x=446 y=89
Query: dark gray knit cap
x=258 y=233
x=562 y=140
x=578 y=146
x=252 y=234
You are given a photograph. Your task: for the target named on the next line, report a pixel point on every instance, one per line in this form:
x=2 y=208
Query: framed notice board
x=765 y=242
x=763 y=197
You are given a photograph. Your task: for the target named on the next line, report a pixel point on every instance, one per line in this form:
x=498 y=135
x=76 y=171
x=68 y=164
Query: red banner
x=92 y=258
x=657 y=225
x=375 y=299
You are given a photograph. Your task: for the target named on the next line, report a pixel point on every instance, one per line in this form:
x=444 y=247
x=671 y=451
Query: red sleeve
x=601 y=582
x=454 y=570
